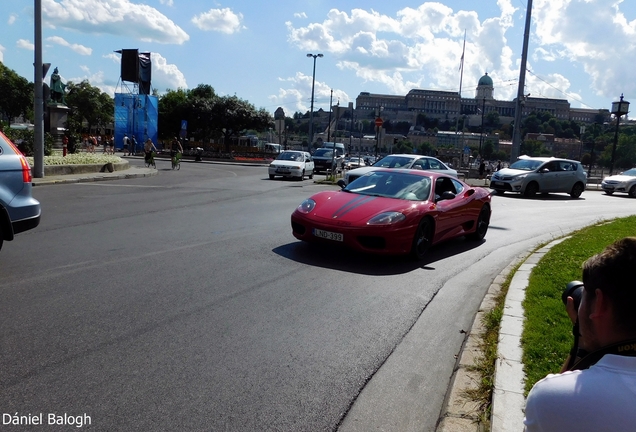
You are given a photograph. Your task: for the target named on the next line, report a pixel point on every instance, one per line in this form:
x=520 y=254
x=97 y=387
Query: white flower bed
x=78 y=159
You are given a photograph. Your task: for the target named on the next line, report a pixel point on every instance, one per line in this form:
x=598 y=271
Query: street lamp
x=619 y=109
x=481 y=134
x=311 y=111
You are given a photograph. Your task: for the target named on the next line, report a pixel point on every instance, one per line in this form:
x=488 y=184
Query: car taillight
x=26 y=170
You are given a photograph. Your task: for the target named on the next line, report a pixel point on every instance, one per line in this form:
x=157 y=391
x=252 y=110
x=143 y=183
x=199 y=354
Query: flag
x=461 y=61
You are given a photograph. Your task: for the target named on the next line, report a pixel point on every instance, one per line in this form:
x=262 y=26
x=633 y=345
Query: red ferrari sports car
x=393 y=211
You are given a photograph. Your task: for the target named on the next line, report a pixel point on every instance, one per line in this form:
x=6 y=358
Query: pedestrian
x=134 y=145
x=596 y=391
x=498 y=165
x=126 y=144
x=482 y=169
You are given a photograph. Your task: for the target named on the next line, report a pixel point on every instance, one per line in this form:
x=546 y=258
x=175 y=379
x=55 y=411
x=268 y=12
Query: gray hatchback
x=531 y=175
x=19 y=211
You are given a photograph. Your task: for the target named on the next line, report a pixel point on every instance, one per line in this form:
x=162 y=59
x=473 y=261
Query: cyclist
x=176 y=150
x=149 y=149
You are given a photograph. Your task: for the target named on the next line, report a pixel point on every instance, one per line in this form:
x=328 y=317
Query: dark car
x=19 y=211
x=325 y=160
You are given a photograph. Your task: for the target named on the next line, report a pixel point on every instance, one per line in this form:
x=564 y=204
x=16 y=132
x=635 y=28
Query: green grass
x=547 y=334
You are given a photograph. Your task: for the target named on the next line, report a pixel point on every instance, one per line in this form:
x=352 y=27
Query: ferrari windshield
x=389 y=184
x=394 y=162
x=526 y=164
x=291 y=156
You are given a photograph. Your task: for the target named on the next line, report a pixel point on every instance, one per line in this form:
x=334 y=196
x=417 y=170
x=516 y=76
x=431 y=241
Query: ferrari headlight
x=306 y=206
x=386 y=218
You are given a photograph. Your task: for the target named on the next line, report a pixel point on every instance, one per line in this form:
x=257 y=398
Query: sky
x=580 y=50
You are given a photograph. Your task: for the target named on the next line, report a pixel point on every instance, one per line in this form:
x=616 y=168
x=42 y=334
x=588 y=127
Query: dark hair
x=612 y=271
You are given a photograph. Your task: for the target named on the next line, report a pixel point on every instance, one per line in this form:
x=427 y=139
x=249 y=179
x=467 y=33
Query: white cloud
x=296 y=96
x=165 y=75
x=417 y=47
x=2 y=53
x=595 y=36
x=300 y=15
x=96 y=79
x=113 y=17
x=421 y=46
x=167 y=2
x=221 y=20
x=12 y=18
x=80 y=49
x=25 y=44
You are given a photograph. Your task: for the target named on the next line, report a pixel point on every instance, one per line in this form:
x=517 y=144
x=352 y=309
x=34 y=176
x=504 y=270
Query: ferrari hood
x=350 y=207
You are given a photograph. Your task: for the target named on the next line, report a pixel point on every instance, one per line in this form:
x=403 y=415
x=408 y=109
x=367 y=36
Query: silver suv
x=530 y=175
x=19 y=211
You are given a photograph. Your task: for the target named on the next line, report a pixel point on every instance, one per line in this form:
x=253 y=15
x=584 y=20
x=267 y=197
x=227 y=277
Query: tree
x=16 y=97
x=173 y=107
x=88 y=104
x=492 y=119
x=488 y=149
x=232 y=115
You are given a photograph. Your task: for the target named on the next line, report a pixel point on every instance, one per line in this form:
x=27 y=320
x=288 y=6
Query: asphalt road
x=183 y=302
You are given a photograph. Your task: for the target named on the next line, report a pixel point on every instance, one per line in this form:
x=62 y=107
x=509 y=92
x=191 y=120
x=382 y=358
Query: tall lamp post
x=311 y=111
x=481 y=134
x=619 y=109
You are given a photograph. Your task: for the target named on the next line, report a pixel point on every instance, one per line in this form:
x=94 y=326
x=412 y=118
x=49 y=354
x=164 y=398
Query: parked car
x=624 y=182
x=326 y=160
x=291 y=163
x=19 y=211
x=405 y=161
x=531 y=175
x=394 y=211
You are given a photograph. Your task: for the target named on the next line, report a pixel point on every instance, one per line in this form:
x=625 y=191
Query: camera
x=573 y=289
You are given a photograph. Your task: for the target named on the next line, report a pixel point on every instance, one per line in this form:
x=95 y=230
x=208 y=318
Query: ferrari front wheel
x=423 y=238
x=483 y=221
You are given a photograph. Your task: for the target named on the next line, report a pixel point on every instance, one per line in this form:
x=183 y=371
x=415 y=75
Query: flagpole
x=459 y=110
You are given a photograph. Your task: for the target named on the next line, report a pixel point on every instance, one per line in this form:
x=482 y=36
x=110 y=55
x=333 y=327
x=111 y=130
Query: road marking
x=122 y=185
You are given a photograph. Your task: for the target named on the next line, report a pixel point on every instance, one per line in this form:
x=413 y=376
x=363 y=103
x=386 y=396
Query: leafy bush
x=24 y=139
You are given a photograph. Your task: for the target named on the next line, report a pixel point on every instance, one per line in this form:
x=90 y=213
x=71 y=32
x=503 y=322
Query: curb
x=459 y=413
x=94 y=176
x=508 y=399
x=54 y=170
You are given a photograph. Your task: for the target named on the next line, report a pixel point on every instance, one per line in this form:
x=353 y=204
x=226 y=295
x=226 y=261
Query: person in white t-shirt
x=597 y=392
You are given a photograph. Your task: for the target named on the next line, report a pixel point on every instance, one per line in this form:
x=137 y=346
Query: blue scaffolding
x=136 y=115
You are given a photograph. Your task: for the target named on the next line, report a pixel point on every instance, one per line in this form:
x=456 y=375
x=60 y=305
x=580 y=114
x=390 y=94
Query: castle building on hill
x=447 y=105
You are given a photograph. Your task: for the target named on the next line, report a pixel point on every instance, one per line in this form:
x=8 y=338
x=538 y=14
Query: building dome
x=485 y=81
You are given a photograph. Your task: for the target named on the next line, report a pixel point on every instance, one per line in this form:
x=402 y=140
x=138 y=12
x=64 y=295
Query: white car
x=354 y=162
x=290 y=163
x=531 y=175
x=623 y=182
x=403 y=161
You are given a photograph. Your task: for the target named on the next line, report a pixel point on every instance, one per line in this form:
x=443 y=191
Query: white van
x=272 y=148
x=340 y=147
